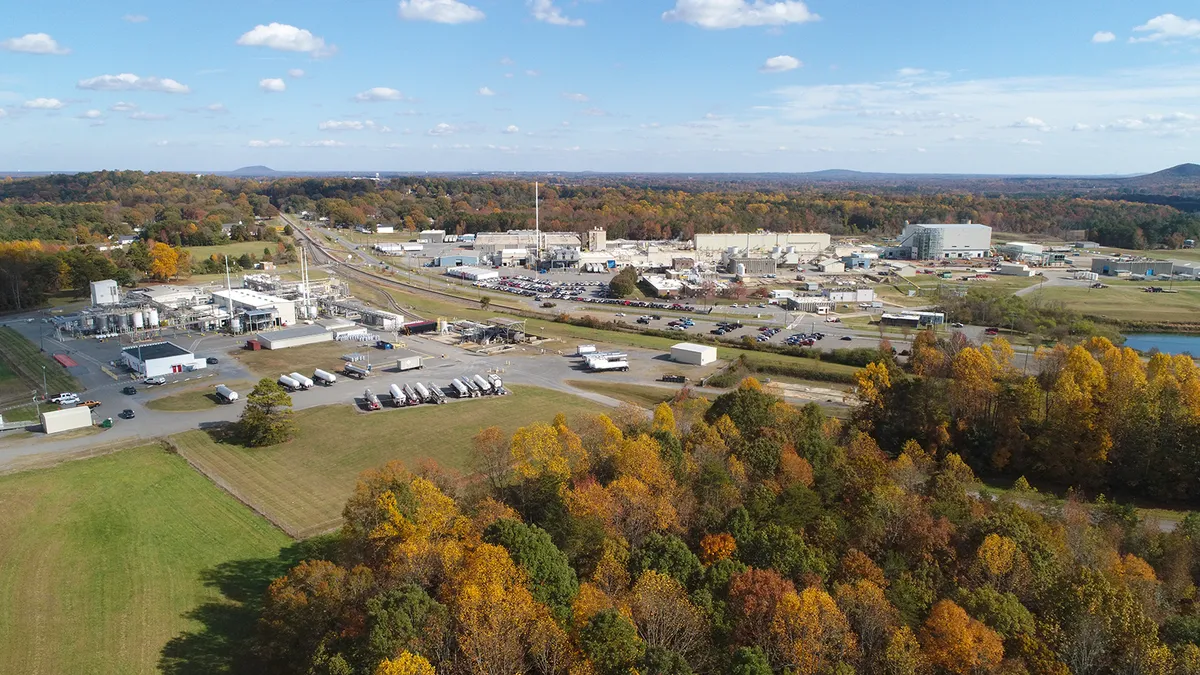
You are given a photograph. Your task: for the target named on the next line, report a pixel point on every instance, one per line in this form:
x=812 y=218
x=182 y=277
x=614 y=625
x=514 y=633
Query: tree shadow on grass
x=224 y=640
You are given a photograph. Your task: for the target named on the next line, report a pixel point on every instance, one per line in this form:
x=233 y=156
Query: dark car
x=129 y=391
x=126 y=414
x=212 y=361
x=847 y=338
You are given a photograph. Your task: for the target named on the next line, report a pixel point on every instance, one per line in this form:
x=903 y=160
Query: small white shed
x=407 y=360
x=693 y=354
x=66 y=419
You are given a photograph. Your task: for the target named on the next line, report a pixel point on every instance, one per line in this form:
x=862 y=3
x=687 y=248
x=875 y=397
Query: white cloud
x=1027 y=141
x=1103 y=36
x=486 y=91
x=352 y=125
x=1168 y=28
x=533 y=73
x=136 y=18
x=1031 y=123
x=545 y=11
x=3 y=113
x=442 y=129
x=507 y=61
x=511 y=129
x=34 y=43
x=272 y=143
x=1170 y=124
x=43 y=104
x=721 y=14
x=148 y=117
x=286 y=38
x=122 y=106
x=439 y=11
x=376 y=94
x=272 y=84
x=921 y=150
x=910 y=72
x=576 y=97
x=91 y=115
x=780 y=64
x=130 y=82
x=295 y=72
x=1080 y=126
x=216 y=108
x=595 y=112
x=326 y=143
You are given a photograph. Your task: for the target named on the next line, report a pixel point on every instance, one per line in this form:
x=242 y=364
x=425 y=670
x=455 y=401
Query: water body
x=1166 y=343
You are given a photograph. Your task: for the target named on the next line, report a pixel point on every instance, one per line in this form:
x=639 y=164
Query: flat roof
x=249 y=297
x=158 y=350
x=294 y=332
x=693 y=347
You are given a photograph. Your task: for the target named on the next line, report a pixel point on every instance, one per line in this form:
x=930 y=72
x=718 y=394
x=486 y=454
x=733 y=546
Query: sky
x=1081 y=87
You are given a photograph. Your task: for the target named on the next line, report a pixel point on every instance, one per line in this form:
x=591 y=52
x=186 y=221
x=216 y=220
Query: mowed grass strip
x=1127 y=302
x=196 y=398
x=325 y=355
x=645 y=396
x=101 y=558
x=302 y=485
x=23 y=359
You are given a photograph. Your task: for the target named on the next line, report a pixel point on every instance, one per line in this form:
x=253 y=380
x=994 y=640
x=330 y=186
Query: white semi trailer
x=324 y=377
x=288 y=383
x=226 y=394
x=398 y=397
x=305 y=383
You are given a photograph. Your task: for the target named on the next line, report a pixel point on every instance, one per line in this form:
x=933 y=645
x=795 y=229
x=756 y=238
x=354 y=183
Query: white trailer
x=584 y=350
x=436 y=392
x=66 y=419
x=424 y=393
x=288 y=383
x=413 y=398
x=608 y=366
x=354 y=370
x=407 y=360
x=305 y=383
x=372 y=400
x=461 y=390
x=484 y=385
x=398 y=398
x=226 y=394
x=324 y=377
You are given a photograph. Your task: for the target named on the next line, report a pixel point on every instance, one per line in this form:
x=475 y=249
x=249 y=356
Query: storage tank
x=324 y=377
x=484 y=385
x=235 y=325
x=398 y=398
x=460 y=389
x=226 y=394
x=153 y=318
x=304 y=381
x=138 y=322
x=288 y=383
x=741 y=269
x=126 y=322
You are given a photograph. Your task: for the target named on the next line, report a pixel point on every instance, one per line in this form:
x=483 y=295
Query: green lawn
x=233 y=249
x=192 y=400
x=1128 y=302
x=102 y=558
x=645 y=396
x=24 y=361
x=303 y=484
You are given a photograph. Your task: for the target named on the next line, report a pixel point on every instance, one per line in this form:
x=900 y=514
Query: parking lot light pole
x=45 y=389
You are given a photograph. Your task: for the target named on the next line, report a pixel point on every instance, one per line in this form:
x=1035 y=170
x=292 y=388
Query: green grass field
x=192 y=400
x=24 y=362
x=233 y=249
x=303 y=484
x=1127 y=302
x=102 y=558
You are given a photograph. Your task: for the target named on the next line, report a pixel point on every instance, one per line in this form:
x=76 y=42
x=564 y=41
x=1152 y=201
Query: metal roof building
x=160 y=358
x=294 y=337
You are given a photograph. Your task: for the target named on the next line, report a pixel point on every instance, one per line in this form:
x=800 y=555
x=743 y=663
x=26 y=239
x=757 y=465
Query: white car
x=155 y=380
x=66 y=398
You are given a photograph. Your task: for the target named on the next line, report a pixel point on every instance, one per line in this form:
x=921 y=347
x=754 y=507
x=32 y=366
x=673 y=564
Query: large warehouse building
x=693 y=354
x=160 y=358
x=261 y=309
x=105 y=292
x=804 y=242
x=294 y=337
x=943 y=241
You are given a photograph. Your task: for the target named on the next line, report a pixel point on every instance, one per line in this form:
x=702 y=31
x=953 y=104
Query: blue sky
x=1067 y=86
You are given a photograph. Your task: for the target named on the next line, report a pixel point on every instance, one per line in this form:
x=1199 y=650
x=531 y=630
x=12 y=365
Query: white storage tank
x=741 y=269
x=153 y=318
x=138 y=322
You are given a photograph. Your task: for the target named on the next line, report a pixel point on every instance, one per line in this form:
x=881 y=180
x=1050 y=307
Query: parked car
x=66 y=398
x=155 y=380
x=957 y=325
x=212 y=361
x=126 y=414
x=847 y=338
x=129 y=391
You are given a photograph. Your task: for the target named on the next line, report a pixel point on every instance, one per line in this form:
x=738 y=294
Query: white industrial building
x=1014 y=270
x=487 y=243
x=831 y=266
x=810 y=243
x=850 y=294
x=431 y=236
x=472 y=273
x=67 y=419
x=693 y=354
x=283 y=312
x=384 y=229
x=663 y=287
x=105 y=292
x=937 y=241
x=294 y=337
x=1016 y=249
x=160 y=358
x=173 y=297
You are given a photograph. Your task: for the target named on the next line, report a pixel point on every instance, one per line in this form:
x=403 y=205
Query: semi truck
x=437 y=394
x=413 y=397
x=485 y=386
x=372 y=400
x=461 y=390
x=305 y=383
x=355 y=370
x=398 y=397
x=324 y=378
x=424 y=393
x=226 y=394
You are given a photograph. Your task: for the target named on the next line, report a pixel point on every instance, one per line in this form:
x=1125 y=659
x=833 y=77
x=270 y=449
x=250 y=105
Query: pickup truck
x=65 y=398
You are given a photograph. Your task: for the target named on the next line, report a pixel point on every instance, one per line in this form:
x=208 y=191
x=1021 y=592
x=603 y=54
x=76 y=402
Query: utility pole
x=45 y=389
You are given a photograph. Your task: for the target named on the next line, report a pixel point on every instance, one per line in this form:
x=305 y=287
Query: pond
x=1166 y=343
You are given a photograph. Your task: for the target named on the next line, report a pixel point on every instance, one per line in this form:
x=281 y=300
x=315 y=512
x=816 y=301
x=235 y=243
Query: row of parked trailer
x=298 y=382
x=602 y=362
x=474 y=386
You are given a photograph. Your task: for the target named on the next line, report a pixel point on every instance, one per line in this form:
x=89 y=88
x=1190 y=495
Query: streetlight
x=45 y=389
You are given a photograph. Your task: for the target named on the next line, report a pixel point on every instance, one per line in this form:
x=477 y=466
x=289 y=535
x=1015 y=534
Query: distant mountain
x=254 y=172
x=1182 y=176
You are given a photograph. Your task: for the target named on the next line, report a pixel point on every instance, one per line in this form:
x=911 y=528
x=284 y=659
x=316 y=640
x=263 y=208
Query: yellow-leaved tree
x=405 y=664
x=810 y=634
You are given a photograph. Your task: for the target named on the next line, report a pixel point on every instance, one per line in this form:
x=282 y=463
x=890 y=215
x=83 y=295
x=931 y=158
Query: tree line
x=88 y=207
x=742 y=536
